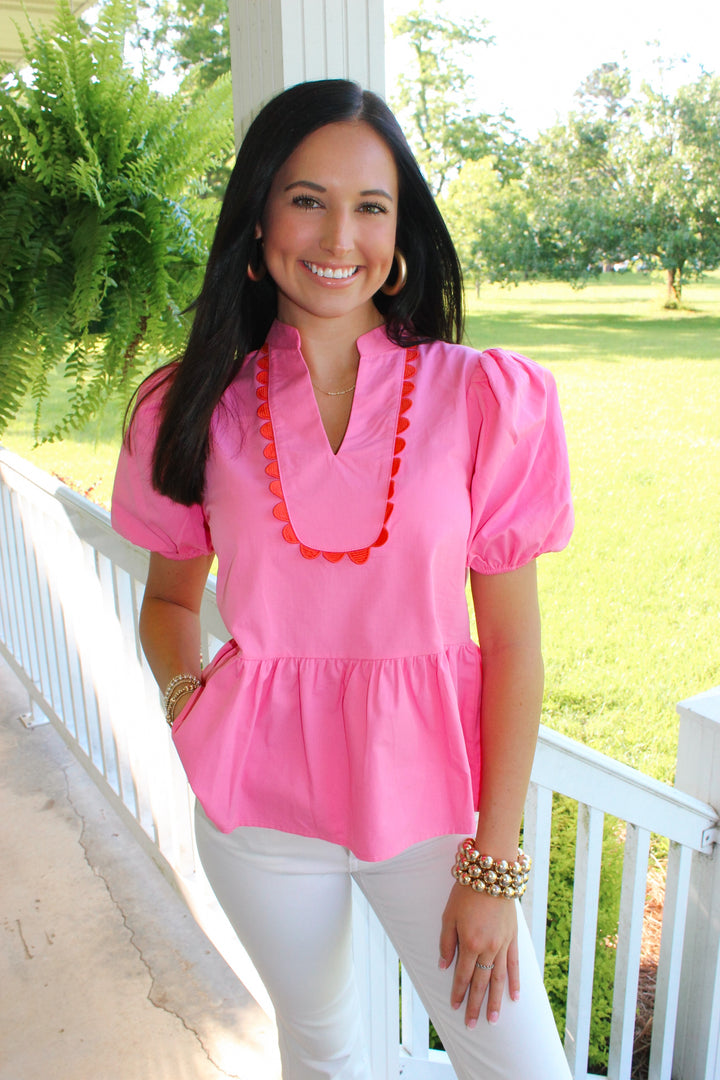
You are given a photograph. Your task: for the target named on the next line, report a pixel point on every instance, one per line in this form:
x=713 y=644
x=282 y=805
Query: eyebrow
x=320 y=188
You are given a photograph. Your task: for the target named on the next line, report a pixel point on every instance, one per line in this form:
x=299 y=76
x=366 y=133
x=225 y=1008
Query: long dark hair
x=233 y=314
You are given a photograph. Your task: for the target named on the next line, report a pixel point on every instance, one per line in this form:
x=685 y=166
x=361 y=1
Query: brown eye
x=305 y=202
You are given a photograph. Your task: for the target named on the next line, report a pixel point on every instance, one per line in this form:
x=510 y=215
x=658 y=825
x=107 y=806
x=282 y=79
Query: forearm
x=482 y=928
x=509 y=719
x=170 y=637
x=170 y=616
x=508 y=620
x=478 y=926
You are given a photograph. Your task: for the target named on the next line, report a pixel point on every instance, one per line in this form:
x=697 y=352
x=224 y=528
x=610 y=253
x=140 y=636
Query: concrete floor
x=104 y=974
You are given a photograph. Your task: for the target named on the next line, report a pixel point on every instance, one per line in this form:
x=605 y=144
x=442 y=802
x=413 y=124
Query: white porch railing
x=70 y=592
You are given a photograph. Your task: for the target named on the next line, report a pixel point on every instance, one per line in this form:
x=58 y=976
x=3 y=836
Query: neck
x=329 y=346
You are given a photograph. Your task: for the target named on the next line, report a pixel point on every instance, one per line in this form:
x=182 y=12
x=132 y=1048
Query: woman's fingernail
x=471 y=1024
x=442 y=963
x=455 y=1004
x=515 y=995
x=493 y=1017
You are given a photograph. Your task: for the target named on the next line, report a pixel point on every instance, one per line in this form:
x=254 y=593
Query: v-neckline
x=284 y=337
x=351 y=414
x=334 y=503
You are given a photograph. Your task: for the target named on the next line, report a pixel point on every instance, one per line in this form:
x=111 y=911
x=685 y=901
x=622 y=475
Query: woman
x=348 y=461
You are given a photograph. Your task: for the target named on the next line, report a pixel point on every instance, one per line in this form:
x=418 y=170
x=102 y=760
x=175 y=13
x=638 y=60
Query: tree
x=184 y=36
x=605 y=93
x=630 y=177
x=103 y=232
x=562 y=217
x=434 y=100
x=489 y=224
x=672 y=165
x=575 y=183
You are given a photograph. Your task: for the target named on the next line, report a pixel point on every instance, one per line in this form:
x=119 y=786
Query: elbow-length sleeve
x=139 y=512
x=520 y=492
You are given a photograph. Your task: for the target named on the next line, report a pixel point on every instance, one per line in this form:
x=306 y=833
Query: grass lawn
x=631 y=608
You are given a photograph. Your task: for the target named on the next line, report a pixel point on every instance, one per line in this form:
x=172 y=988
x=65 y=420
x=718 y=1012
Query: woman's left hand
x=480 y=929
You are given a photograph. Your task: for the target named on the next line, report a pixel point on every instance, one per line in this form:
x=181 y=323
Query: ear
x=258 y=231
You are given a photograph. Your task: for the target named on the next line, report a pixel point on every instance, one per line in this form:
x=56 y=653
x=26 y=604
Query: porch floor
x=105 y=973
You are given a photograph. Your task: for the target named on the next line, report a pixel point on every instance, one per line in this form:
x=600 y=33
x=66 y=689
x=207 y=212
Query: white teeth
x=328 y=272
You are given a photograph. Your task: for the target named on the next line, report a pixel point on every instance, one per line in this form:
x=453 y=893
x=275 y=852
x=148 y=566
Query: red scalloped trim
x=273 y=471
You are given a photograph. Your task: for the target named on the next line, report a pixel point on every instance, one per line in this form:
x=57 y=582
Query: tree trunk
x=674 y=287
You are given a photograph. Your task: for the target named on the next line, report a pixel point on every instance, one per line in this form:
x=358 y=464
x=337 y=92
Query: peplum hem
x=392 y=745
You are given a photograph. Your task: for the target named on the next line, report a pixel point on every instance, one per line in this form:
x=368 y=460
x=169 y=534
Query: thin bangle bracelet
x=179 y=685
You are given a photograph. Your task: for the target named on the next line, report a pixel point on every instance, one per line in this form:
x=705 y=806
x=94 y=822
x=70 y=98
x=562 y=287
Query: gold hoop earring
x=253 y=272
x=401 y=279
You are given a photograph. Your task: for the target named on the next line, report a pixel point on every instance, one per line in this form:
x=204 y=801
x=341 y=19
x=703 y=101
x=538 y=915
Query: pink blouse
x=346 y=704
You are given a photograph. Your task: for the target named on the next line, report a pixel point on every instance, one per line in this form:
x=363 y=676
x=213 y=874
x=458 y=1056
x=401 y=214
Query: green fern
x=104 y=229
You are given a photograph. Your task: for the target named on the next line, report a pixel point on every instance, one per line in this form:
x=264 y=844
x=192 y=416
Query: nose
x=337 y=236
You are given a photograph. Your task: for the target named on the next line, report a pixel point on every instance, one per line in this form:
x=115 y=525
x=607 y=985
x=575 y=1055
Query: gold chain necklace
x=335 y=393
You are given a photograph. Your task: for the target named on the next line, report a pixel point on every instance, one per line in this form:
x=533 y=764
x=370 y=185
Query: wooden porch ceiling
x=13 y=14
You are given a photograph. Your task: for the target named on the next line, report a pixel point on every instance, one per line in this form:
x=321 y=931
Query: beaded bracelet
x=179 y=685
x=483 y=874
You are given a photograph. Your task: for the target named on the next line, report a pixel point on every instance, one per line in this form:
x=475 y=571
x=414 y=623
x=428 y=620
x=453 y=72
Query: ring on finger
x=484 y=967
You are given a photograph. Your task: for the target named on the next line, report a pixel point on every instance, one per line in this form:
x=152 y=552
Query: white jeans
x=289 y=900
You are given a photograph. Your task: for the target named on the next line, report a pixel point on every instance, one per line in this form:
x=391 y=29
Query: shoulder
x=448 y=356
x=505 y=375
x=493 y=376
x=146 y=406
x=510 y=393
x=483 y=365
x=154 y=388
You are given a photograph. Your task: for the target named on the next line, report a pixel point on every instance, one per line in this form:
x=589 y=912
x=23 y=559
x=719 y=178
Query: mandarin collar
x=374 y=342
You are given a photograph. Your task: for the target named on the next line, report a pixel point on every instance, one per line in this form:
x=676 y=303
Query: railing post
x=697 y=1040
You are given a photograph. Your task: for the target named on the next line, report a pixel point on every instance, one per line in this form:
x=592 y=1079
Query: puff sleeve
x=520 y=490
x=139 y=512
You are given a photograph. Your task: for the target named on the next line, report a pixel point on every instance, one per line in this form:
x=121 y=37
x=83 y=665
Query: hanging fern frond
x=103 y=228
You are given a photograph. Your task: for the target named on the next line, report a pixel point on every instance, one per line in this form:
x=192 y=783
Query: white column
x=697 y=1040
x=277 y=43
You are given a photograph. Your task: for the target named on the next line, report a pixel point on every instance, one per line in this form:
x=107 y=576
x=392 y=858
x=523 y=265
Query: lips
x=337 y=273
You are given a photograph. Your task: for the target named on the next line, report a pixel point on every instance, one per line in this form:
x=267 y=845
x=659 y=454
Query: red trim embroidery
x=273 y=471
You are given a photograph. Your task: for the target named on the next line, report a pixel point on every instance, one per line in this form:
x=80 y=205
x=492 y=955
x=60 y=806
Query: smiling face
x=328 y=228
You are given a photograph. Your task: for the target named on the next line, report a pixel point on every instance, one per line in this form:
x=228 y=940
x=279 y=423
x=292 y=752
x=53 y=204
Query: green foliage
x=434 y=101
x=605 y=92
x=187 y=36
x=188 y=43
x=673 y=156
x=629 y=177
x=573 y=187
x=559 y=921
x=489 y=223
x=103 y=228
